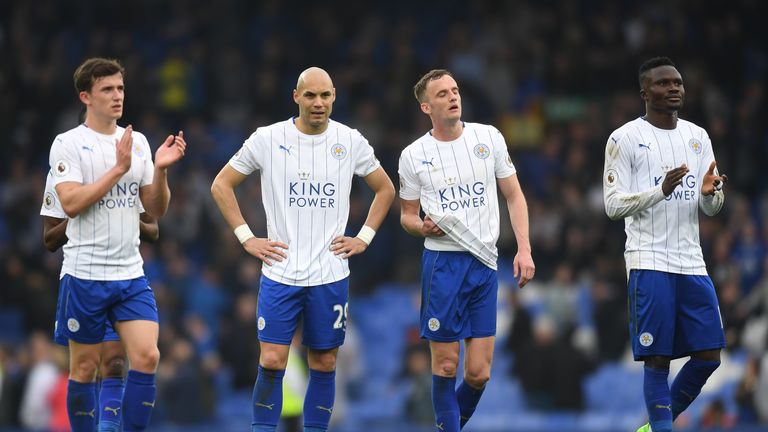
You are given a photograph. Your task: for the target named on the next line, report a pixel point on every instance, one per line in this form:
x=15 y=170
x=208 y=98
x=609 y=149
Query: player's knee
x=323 y=361
x=657 y=362
x=113 y=367
x=147 y=360
x=445 y=368
x=477 y=379
x=272 y=360
x=83 y=369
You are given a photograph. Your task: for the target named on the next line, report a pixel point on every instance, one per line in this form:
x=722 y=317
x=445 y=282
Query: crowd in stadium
x=555 y=77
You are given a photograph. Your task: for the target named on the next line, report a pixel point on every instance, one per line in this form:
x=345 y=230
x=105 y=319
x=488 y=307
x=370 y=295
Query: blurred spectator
x=240 y=343
x=36 y=409
x=417 y=370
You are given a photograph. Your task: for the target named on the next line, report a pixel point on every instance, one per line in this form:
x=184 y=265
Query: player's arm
x=518 y=216
x=149 y=231
x=412 y=223
x=54 y=232
x=712 y=182
x=223 y=191
x=156 y=196
x=619 y=201
x=382 y=186
x=76 y=197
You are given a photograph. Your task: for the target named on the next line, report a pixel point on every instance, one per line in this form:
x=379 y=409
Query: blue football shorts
x=87 y=309
x=673 y=315
x=323 y=309
x=458 y=297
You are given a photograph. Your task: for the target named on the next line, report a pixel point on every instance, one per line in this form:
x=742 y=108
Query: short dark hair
x=652 y=63
x=420 y=89
x=94 y=68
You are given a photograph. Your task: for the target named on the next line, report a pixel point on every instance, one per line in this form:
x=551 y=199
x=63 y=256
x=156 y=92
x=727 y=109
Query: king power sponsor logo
x=462 y=197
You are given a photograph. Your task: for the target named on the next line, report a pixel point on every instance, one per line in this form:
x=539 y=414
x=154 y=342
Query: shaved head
x=314 y=94
x=314 y=76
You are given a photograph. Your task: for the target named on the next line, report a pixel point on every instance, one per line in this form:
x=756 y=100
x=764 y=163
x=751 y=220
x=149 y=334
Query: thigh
x=325 y=315
x=137 y=302
x=278 y=310
x=651 y=313
x=483 y=285
x=82 y=310
x=478 y=355
x=139 y=338
x=444 y=315
x=699 y=326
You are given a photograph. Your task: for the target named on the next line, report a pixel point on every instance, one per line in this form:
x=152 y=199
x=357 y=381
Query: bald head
x=314 y=94
x=314 y=77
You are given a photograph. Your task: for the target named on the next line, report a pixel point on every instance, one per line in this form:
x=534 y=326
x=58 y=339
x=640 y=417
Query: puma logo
x=269 y=407
x=86 y=413
x=668 y=407
x=330 y=410
x=112 y=410
x=149 y=404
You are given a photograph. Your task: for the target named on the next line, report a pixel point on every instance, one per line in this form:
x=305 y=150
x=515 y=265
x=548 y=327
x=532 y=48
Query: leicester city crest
x=482 y=151
x=338 y=151
x=695 y=145
x=138 y=151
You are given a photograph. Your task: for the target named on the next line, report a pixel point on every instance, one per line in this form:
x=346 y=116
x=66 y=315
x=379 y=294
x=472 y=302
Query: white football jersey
x=662 y=232
x=305 y=185
x=458 y=178
x=51 y=205
x=104 y=238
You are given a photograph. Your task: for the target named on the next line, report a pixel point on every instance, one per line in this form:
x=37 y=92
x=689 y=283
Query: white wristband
x=366 y=234
x=243 y=233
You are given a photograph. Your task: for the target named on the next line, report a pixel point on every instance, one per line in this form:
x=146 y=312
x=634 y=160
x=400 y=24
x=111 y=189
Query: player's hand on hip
x=172 y=149
x=123 y=150
x=524 y=268
x=347 y=246
x=266 y=250
x=713 y=182
x=430 y=229
x=673 y=179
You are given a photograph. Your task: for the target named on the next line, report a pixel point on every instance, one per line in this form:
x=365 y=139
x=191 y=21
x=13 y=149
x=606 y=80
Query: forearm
x=518 y=216
x=159 y=195
x=55 y=237
x=77 y=197
x=148 y=232
x=412 y=224
x=382 y=201
x=712 y=204
x=224 y=196
x=620 y=205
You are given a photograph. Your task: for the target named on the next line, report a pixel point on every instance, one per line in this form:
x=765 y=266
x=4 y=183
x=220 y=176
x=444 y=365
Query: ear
x=426 y=108
x=333 y=95
x=296 y=96
x=85 y=98
x=643 y=95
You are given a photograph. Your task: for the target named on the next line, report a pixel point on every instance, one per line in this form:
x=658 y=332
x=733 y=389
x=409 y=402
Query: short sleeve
x=410 y=188
x=365 y=160
x=248 y=158
x=502 y=161
x=51 y=204
x=65 y=161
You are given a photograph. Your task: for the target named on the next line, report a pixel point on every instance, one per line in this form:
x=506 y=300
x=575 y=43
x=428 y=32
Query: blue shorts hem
x=274 y=341
x=137 y=318
x=87 y=341
x=482 y=335
x=325 y=346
